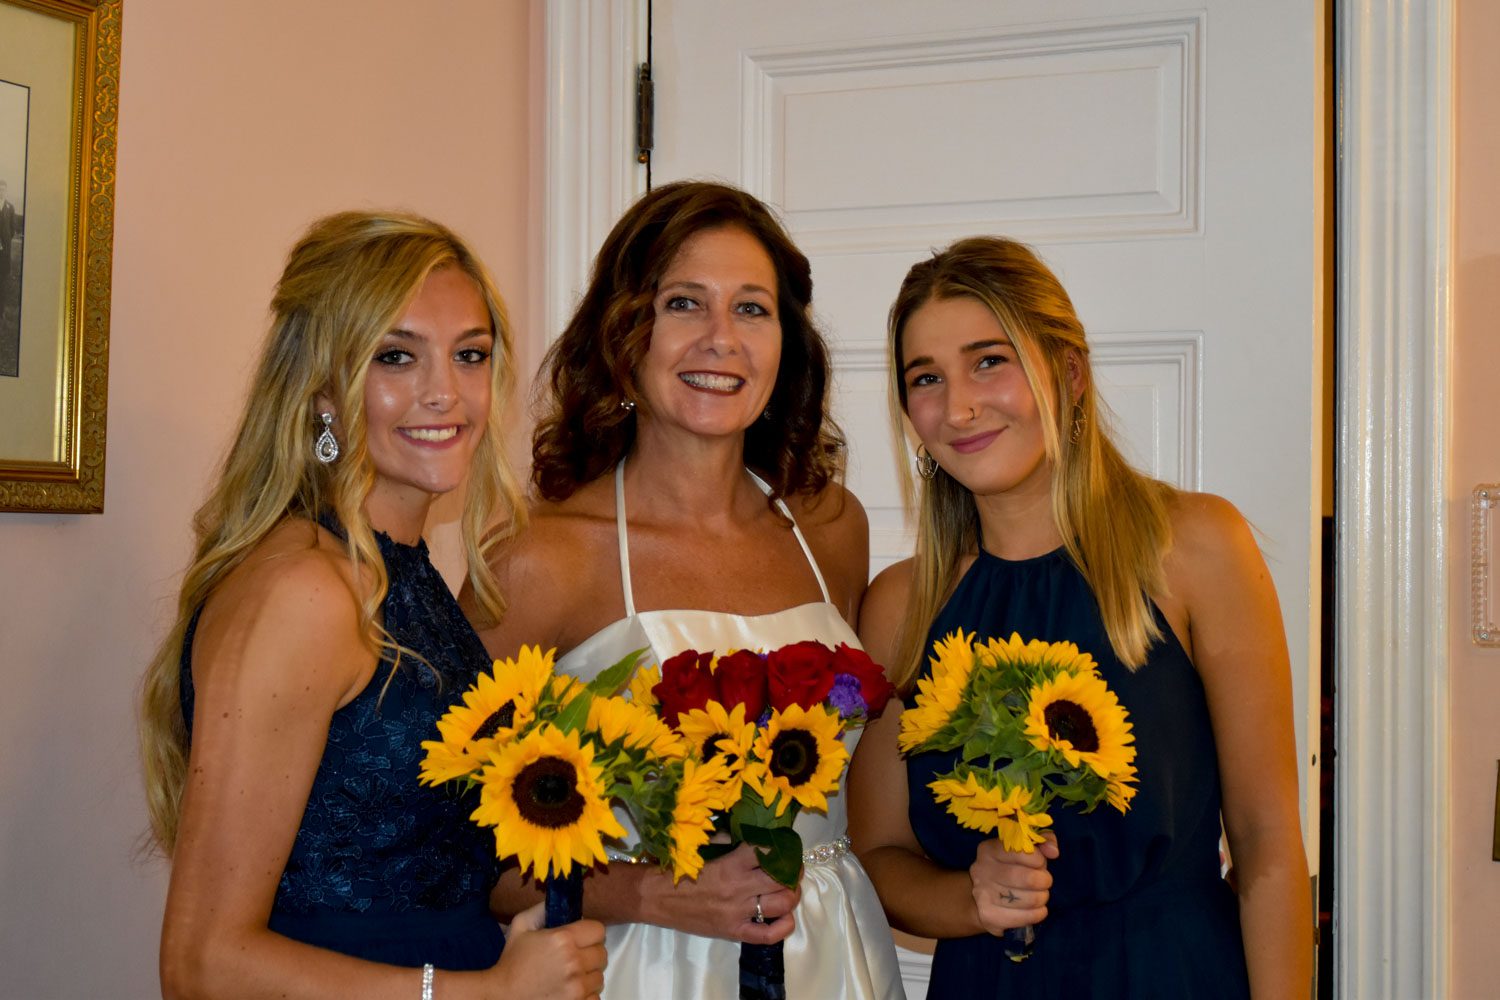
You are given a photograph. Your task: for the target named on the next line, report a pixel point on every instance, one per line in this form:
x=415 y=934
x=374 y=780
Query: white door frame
x=1394 y=222
x=1395 y=212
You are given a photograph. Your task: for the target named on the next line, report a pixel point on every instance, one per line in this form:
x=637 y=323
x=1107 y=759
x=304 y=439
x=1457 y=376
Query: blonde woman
x=315 y=647
x=1031 y=521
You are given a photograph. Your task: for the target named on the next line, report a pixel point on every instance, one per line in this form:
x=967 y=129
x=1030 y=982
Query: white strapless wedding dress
x=842 y=945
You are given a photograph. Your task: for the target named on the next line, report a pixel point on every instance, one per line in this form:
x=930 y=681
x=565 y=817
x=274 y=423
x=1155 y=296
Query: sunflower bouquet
x=1034 y=724
x=774 y=721
x=549 y=756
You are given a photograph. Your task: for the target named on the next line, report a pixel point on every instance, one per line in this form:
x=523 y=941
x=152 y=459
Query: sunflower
x=1057 y=656
x=1078 y=715
x=798 y=758
x=1121 y=788
x=1002 y=809
x=498 y=704
x=633 y=726
x=641 y=683
x=702 y=792
x=940 y=693
x=545 y=797
x=719 y=734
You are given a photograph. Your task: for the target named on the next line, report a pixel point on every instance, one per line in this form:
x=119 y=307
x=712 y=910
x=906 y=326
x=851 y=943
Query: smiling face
x=427 y=396
x=969 y=400
x=716 y=340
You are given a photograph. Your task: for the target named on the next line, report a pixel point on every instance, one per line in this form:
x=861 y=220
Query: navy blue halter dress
x=384 y=869
x=1138 y=909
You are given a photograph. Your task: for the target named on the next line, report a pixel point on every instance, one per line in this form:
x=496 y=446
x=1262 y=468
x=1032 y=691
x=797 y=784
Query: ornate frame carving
x=73 y=481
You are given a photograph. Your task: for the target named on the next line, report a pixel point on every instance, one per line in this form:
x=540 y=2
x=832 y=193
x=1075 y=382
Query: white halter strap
x=624 y=536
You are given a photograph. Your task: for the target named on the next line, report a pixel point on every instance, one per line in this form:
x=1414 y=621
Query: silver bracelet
x=427 y=981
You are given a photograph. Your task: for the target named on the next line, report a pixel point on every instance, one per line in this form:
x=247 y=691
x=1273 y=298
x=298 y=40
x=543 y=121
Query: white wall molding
x=1394 y=227
x=773 y=82
x=590 y=175
x=1170 y=363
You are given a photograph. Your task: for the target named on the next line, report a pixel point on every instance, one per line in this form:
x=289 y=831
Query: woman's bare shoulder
x=883 y=610
x=291 y=606
x=551 y=573
x=1206 y=530
x=835 y=526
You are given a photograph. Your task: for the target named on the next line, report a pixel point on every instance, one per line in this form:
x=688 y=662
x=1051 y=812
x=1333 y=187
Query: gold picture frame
x=59 y=104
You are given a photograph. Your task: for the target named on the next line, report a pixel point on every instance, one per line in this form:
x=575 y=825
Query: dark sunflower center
x=794 y=756
x=1067 y=720
x=503 y=717
x=546 y=793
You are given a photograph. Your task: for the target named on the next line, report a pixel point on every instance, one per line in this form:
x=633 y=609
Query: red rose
x=799 y=674
x=742 y=681
x=873 y=686
x=686 y=684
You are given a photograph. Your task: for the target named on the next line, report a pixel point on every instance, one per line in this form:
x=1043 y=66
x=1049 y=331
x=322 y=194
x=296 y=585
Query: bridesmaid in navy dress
x=316 y=646
x=1032 y=522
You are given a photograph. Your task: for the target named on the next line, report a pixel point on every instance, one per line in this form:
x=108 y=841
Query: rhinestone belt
x=826 y=853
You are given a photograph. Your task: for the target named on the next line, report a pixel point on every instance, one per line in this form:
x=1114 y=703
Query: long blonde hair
x=1113 y=519
x=346 y=283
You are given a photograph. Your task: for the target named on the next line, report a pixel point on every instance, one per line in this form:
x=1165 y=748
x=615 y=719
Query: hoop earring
x=1079 y=419
x=326 y=447
x=926 y=465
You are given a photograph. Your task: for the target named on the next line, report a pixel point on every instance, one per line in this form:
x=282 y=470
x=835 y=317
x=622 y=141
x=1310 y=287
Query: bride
x=688 y=499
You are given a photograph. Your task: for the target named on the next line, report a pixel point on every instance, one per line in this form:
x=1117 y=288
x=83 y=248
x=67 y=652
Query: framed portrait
x=59 y=97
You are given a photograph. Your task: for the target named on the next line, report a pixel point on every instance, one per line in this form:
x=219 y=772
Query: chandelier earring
x=326 y=447
x=1079 y=419
x=927 y=466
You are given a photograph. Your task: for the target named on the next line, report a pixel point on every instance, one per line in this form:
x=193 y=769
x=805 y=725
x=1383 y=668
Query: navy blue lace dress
x=382 y=868
x=1138 y=909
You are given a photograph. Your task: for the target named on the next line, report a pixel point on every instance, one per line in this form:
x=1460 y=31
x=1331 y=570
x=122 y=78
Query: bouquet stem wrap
x=564 y=898
x=762 y=971
x=1018 y=942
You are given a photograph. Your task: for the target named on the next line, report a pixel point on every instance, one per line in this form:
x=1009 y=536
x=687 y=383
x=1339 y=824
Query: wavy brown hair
x=346 y=283
x=584 y=428
x=1113 y=519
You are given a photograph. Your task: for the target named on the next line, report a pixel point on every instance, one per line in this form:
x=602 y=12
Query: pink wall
x=238 y=124
x=1474 y=672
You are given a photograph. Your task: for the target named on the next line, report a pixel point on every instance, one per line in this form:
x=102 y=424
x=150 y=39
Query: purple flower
x=846 y=697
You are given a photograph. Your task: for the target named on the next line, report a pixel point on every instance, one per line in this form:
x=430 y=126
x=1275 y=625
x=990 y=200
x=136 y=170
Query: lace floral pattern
x=372 y=840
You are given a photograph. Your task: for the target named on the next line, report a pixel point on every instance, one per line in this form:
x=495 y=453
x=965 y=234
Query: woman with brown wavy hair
x=687 y=473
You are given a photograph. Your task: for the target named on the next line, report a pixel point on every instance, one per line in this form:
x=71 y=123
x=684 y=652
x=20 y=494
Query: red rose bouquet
x=776 y=720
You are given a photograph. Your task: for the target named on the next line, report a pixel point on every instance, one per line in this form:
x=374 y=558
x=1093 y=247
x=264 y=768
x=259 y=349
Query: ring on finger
x=760 y=916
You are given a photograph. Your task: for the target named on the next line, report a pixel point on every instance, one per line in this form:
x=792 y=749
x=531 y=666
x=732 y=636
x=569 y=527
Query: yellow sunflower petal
x=641 y=683
x=798 y=757
x=545 y=797
x=699 y=795
x=1077 y=715
x=498 y=704
x=617 y=721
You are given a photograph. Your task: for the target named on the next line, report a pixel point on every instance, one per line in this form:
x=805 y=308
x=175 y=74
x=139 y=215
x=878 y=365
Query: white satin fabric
x=842 y=945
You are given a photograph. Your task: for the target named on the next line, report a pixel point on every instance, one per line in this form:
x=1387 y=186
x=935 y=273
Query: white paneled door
x=1164 y=160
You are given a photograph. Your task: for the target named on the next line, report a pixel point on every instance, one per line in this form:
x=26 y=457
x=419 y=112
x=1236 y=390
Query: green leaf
x=574 y=714
x=779 y=850
x=612 y=680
